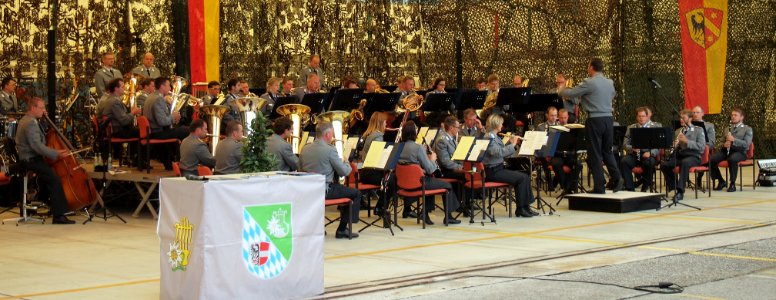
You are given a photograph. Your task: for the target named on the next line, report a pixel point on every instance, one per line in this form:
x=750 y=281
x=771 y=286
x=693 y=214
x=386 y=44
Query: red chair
x=476 y=180
x=749 y=162
x=409 y=180
x=120 y=141
x=697 y=170
x=340 y=202
x=176 y=167
x=354 y=181
x=147 y=141
x=204 y=170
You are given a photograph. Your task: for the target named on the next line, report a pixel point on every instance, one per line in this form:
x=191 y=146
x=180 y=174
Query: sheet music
x=463 y=148
x=386 y=154
x=573 y=126
x=421 y=134
x=350 y=145
x=560 y=128
x=534 y=140
x=375 y=154
x=480 y=146
x=431 y=135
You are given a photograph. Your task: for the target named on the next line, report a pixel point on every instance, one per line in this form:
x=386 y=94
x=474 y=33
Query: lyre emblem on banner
x=179 y=249
x=705 y=25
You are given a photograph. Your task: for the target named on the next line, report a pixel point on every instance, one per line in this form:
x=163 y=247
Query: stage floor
x=111 y=259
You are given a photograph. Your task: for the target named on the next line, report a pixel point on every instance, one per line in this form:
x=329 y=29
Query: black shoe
x=618 y=185
x=344 y=234
x=732 y=188
x=638 y=183
x=531 y=211
x=428 y=221
x=678 y=197
x=644 y=188
x=62 y=220
x=721 y=185
x=378 y=211
x=410 y=214
x=451 y=220
x=523 y=213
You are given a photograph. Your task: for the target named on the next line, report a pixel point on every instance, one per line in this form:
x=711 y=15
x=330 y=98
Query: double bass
x=80 y=191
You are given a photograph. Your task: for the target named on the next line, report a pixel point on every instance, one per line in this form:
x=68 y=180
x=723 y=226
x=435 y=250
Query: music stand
x=541 y=102
x=467 y=148
x=345 y=99
x=390 y=88
x=280 y=102
x=315 y=101
x=438 y=102
x=472 y=99
x=619 y=136
x=380 y=102
x=568 y=145
x=387 y=169
x=513 y=99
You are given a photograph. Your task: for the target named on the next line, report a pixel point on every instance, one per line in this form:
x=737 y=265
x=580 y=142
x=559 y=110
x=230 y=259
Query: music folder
x=472 y=99
x=315 y=101
x=438 y=102
x=380 y=154
x=470 y=149
x=346 y=99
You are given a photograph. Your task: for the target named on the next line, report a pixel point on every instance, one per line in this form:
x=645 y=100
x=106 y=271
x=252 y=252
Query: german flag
x=204 y=40
x=704 y=28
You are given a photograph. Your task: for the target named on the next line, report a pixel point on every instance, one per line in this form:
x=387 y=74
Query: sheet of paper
x=572 y=126
x=421 y=134
x=374 y=155
x=480 y=146
x=560 y=128
x=463 y=148
x=385 y=156
x=431 y=135
x=533 y=140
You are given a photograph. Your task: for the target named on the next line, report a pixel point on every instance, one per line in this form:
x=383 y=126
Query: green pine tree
x=256 y=157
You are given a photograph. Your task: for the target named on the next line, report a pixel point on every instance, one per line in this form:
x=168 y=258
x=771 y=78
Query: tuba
x=248 y=111
x=175 y=94
x=300 y=116
x=215 y=113
x=339 y=120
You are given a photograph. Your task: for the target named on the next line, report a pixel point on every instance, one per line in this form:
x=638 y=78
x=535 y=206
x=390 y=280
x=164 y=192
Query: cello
x=80 y=191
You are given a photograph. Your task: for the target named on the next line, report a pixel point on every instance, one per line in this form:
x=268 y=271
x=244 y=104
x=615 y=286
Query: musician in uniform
x=736 y=142
x=233 y=89
x=229 y=150
x=471 y=124
x=646 y=158
x=321 y=157
x=517 y=81
x=147 y=87
x=31 y=147
x=8 y=101
x=370 y=86
x=444 y=147
x=480 y=84
x=312 y=86
x=552 y=120
x=271 y=96
x=213 y=91
x=147 y=69
x=277 y=144
x=288 y=87
x=194 y=151
x=568 y=183
x=374 y=132
x=161 y=120
x=106 y=73
x=113 y=109
x=688 y=147
x=490 y=105
x=349 y=83
x=494 y=167
x=570 y=104
x=413 y=153
x=711 y=133
x=313 y=67
x=597 y=93
x=439 y=86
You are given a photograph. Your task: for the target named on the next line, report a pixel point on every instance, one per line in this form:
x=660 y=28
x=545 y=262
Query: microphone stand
x=667 y=101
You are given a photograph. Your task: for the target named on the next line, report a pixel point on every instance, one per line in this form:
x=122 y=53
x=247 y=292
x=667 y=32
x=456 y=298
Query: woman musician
x=494 y=166
x=374 y=132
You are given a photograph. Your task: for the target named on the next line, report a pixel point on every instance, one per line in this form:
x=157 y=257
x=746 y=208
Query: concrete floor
x=725 y=251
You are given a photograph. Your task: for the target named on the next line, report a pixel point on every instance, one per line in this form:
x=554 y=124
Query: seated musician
x=737 y=139
x=405 y=87
x=517 y=81
x=31 y=147
x=413 y=153
x=444 y=147
x=113 y=109
x=313 y=86
x=147 y=88
x=560 y=159
x=495 y=171
x=229 y=150
x=8 y=101
x=439 y=86
x=567 y=183
x=271 y=96
x=471 y=124
x=278 y=144
x=688 y=148
x=213 y=92
x=491 y=107
x=321 y=157
x=370 y=86
x=480 y=84
x=245 y=88
x=646 y=158
x=194 y=151
x=161 y=121
x=233 y=87
x=374 y=132
x=349 y=83
x=288 y=87
x=711 y=134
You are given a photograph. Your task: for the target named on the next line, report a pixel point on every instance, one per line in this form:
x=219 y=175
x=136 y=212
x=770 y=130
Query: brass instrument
x=358 y=113
x=338 y=121
x=413 y=102
x=178 y=84
x=300 y=116
x=525 y=82
x=130 y=87
x=248 y=111
x=215 y=113
x=569 y=83
x=490 y=102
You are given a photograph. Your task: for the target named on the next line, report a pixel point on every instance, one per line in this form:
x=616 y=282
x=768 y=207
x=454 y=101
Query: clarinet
x=729 y=131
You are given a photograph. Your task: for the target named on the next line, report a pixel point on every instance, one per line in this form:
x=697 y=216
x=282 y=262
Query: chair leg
x=350 y=220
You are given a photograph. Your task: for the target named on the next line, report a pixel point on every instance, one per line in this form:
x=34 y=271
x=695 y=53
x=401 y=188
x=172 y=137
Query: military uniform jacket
x=711 y=133
x=742 y=137
x=157 y=111
x=234 y=111
x=270 y=106
x=287 y=160
x=497 y=151
x=413 y=153
x=195 y=152
x=114 y=109
x=102 y=77
x=228 y=156
x=30 y=140
x=374 y=136
x=627 y=142
x=696 y=142
x=151 y=72
x=8 y=103
x=306 y=72
x=321 y=158
x=444 y=146
x=596 y=92
x=470 y=132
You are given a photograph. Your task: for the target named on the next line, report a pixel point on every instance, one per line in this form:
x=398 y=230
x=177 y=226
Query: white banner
x=254 y=238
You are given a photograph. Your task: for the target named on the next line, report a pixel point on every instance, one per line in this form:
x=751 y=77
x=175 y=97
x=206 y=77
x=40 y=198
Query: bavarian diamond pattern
x=252 y=235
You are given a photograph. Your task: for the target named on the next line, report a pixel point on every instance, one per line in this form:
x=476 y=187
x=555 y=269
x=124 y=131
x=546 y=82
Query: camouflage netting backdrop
x=384 y=39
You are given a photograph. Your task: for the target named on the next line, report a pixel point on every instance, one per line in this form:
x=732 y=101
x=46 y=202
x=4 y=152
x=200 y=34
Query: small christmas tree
x=256 y=157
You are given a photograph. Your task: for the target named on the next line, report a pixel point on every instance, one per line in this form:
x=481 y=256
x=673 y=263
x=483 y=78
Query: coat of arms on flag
x=267 y=239
x=705 y=25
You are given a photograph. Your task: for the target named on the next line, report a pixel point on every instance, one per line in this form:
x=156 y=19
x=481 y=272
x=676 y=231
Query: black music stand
x=280 y=102
x=388 y=180
x=568 y=145
x=316 y=102
x=474 y=159
x=390 y=88
x=541 y=102
x=548 y=150
x=345 y=99
x=436 y=106
x=514 y=99
x=380 y=102
x=471 y=99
